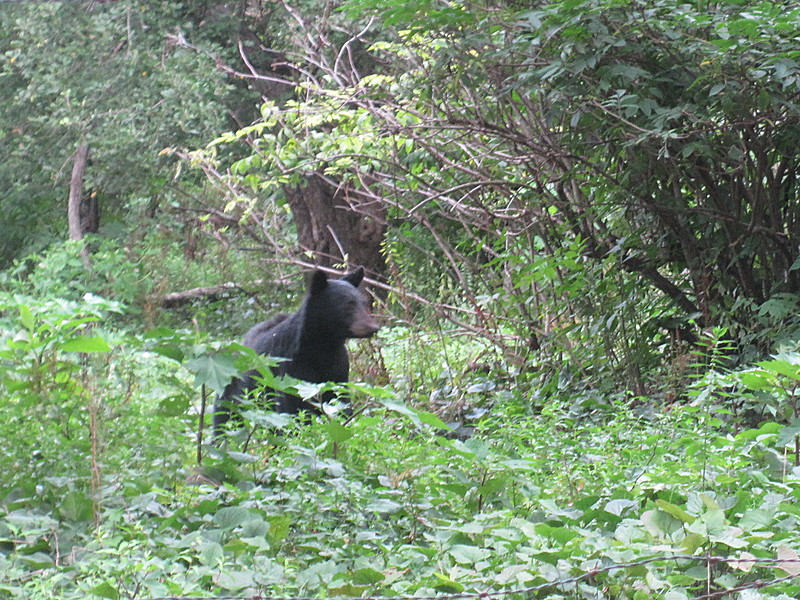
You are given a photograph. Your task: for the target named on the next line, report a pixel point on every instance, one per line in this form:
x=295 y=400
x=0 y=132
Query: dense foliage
x=645 y=151
x=102 y=499
x=107 y=76
x=586 y=383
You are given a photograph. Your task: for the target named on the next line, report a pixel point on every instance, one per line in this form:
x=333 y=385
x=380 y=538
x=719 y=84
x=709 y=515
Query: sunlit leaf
x=86 y=344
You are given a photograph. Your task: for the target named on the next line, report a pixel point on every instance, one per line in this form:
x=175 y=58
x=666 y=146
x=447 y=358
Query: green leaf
x=337 y=432
x=675 y=511
x=710 y=524
x=86 y=344
x=211 y=554
x=235 y=580
x=757 y=380
x=381 y=505
x=660 y=523
x=213 y=370
x=716 y=89
x=790 y=561
x=279 y=527
x=26 y=317
x=172 y=351
x=467 y=555
x=692 y=542
x=348 y=590
x=418 y=417
x=447 y=585
x=432 y=420
x=230 y=517
x=308 y=390
x=105 y=590
x=618 y=506
x=560 y=534
x=730 y=536
x=367 y=577
x=76 y=506
x=781 y=367
x=174 y=406
x=37 y=560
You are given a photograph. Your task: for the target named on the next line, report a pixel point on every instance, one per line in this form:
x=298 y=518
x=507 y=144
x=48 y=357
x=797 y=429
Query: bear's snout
x=364 y=327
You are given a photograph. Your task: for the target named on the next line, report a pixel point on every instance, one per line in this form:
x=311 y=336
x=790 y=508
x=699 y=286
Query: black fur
x=312 y=339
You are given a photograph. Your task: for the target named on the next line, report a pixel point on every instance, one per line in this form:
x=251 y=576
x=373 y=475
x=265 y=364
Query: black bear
x=312 y=340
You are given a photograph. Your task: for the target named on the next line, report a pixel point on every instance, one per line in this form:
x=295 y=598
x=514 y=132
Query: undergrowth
x=103 y=496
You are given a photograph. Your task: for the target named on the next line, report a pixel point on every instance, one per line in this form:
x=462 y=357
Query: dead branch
x=213 y=292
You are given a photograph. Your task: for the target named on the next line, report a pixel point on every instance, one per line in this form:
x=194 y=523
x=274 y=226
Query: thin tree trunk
x=75 y=198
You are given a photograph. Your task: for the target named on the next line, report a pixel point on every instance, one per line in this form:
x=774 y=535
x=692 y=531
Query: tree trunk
x=337 y=227
x=76 y=199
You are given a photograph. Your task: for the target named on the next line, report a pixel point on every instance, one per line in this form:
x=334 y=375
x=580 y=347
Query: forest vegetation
x=580 y=226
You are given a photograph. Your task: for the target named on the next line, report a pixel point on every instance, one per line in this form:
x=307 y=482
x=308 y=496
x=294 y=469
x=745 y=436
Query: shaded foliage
x=627 y=164
x=107 y=75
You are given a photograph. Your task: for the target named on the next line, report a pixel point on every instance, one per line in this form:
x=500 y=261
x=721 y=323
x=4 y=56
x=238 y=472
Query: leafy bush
x=599 y=495
x=59 y=272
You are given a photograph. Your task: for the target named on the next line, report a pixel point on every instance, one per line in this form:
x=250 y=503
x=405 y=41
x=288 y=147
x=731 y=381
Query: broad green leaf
x=675 y=511
x=757 y=519
x=367 y=577
x=618 y=506
x=279 y=527
x=105 y=590
x=560 y=534
x=86 y=344
x=693 y=541
x=255 y=527
x=447 y=585
x=172 y=351
x=213 y=370
x=781 y=367
x=26 y=317
x=381 y=505
x=243 y=457
x=235 y=580
x=348 y=590
x=76 y=506
x=467 y=555
x=769 y=428
x=730 y=536
x=757 y=380
x=789 y=433
x=229 y=517
x=211 y=554
x=267 y=418
x=746 y=563
x=660 y=523
x=37 y=560
x=337 y=432
x=432 y=420
x=308 y=390
x=790 y=561
x=710 y=524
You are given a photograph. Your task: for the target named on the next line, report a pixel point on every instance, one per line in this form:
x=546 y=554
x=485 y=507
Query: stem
x=201 y=425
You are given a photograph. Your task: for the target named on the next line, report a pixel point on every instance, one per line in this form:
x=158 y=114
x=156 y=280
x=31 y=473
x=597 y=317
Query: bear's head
x=336 y=309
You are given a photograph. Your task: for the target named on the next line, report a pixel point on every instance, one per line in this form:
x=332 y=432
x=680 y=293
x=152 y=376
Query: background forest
x=580 y=222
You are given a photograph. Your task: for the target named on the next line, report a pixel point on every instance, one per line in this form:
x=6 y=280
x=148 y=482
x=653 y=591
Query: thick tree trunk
x=336 y=227
x=76 y=199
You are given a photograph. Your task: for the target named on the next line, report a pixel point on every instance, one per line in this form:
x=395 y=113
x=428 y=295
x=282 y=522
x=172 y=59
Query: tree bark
x=337 y=227
x=76 y=198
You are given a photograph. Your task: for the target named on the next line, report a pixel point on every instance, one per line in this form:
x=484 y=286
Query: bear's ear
x=354 y=278
x=319 y=281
